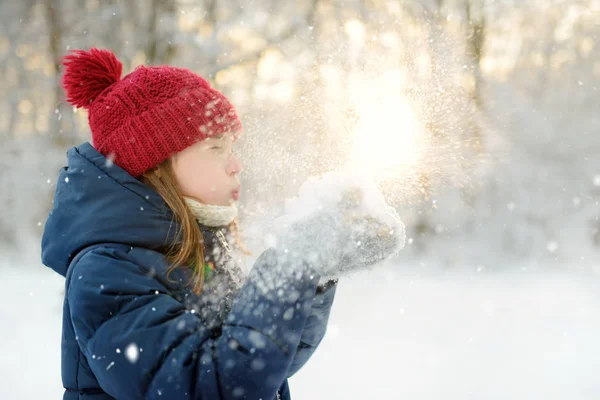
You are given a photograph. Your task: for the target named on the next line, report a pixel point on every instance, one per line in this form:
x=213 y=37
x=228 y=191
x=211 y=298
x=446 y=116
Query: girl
x=144 y=229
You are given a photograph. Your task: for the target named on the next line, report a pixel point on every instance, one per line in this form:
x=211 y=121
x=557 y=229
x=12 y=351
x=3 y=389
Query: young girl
x=144 y=229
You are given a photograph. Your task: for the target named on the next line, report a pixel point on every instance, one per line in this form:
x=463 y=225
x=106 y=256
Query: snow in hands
x=339 y=223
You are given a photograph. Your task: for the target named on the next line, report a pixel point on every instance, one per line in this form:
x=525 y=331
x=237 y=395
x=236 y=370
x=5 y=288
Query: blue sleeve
x=314 y=329
x=142 y=343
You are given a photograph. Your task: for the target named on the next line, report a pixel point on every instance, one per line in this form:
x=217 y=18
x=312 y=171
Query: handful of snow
x=341 y=222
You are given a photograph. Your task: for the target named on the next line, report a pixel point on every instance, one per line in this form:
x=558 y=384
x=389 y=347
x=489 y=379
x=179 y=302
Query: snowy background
x=478 y=117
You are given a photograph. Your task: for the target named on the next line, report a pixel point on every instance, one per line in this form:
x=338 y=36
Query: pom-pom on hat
x=147 y=116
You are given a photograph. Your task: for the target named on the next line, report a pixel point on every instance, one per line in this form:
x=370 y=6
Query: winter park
x=307 y=199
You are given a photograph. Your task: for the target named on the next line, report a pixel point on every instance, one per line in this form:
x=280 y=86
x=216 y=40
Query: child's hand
x=344 y=237
x=369 y=239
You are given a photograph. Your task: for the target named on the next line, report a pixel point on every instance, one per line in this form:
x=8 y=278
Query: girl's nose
x=234 y=167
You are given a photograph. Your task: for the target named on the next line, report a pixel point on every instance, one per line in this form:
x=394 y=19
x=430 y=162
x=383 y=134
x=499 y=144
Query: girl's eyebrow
x=215 y=141
x=212 y=139
x=216 y=137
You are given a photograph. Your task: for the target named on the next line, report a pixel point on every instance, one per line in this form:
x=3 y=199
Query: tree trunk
x=60 y=112
x=475 y=42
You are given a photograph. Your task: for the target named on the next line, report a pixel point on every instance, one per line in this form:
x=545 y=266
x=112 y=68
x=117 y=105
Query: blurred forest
x=485 y=112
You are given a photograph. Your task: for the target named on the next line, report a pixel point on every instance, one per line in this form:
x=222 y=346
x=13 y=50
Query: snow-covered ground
x=30 y=317
x=400 y=332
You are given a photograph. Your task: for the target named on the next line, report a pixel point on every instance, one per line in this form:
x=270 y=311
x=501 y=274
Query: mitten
x=338 y=238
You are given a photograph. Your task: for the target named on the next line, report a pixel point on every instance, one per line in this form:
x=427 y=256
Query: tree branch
x=255 y=55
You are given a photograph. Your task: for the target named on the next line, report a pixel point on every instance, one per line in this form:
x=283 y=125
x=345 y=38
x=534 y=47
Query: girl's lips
x=235 y=194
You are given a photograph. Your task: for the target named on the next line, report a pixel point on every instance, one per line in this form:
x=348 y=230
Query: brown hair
x=187 y=250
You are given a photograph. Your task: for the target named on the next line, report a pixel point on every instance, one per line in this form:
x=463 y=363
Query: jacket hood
x=98 y=202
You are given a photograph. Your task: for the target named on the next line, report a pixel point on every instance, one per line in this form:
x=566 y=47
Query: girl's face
x=207 y=171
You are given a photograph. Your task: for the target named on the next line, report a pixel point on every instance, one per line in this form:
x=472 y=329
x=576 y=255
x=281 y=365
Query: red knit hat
x=149 y=115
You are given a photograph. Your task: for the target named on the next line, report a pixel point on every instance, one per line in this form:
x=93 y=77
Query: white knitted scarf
x=217 y=216
x=212 y=215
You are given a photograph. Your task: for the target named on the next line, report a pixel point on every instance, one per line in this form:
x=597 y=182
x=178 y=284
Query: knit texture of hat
x=147 y=116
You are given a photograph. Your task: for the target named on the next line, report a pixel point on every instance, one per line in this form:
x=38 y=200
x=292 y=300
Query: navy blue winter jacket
x=131 y=332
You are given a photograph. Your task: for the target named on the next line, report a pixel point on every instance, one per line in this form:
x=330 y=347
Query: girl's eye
x=216 y=148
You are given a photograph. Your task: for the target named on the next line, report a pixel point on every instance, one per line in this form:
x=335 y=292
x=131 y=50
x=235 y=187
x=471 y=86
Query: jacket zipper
x=223 y=241
x=278 y=396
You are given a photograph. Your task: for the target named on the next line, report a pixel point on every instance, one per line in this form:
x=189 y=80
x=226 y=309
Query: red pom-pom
x=88 y=73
